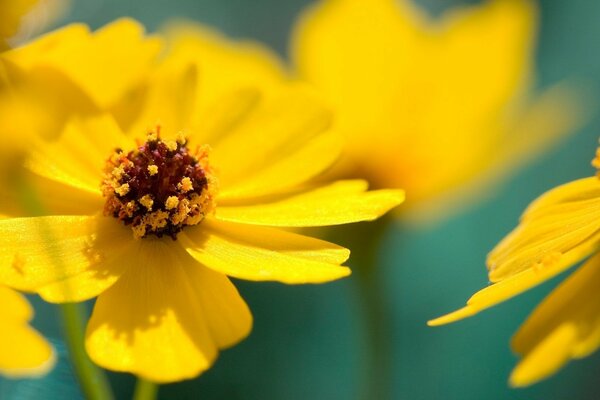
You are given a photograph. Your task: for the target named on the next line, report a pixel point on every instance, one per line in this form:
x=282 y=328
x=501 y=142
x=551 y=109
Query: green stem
x=93 y=380
x=145 y=390
x=364 y=241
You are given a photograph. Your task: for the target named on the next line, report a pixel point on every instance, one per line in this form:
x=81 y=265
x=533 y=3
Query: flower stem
x=364 y=240
x=145 y=390
x=93 y=380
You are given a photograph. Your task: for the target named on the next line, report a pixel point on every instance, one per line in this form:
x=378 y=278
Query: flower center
x=160 y=187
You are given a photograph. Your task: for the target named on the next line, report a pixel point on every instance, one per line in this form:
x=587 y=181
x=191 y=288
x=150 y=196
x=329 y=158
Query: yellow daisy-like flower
x=430 y=106
x=556 y=231
x=151 y=214
x=23 y=351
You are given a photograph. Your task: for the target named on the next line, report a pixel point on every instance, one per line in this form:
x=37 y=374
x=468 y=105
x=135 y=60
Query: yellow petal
x=23 y=351
x=540 y=241
x=168 y=100
x=41 y=50
x=565 y=325
x=519 y=283
x=55 y=198
x=224 y=65
x=64 y=258
x=262 y=254
x=287 y=171
x=581 y=189
x=151 y=322
x=227 y=315
x=104 y=64
x=78 y=157
x=358 y=56
x=338 y=203
x=274 y=129
x=546 y=359
x=554 y=224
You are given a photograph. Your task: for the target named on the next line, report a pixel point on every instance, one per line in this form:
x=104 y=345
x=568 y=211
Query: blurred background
x=307 y=340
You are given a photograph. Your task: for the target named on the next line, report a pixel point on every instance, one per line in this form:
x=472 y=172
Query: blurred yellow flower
x=436 y=107
x=151 y=220
x=23 y=352
x=558 y=230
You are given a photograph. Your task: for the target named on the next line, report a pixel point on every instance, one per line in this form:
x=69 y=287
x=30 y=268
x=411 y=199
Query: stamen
x=159 y=188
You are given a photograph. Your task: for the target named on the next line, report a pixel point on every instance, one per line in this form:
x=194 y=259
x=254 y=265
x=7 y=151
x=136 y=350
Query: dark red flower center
x=160 y=187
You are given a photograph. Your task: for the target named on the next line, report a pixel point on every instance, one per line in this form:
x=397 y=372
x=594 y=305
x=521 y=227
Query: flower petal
x=89 y=59
x=151 y=323
x=552 y=225
x=519 y=283
x=301 y=164
x=227 y=315
x=263 y=254
x=565 y=325
x=78 y=156
x=338 y=203
x=168 y=100
x=23 y=351
x=578 y=190
x=274 y=133
x=547 y=358
x=64 y=258
x=224 y=65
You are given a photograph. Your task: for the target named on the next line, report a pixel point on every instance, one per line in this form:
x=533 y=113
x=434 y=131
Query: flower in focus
x=152 y=207
x=556 y=231
x=23 y=351
x=437 y=108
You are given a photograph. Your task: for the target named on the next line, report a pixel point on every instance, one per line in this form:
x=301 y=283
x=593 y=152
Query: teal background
x=307 y=341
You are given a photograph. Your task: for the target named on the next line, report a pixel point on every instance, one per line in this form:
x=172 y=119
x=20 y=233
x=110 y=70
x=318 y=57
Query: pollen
x=152 y=136
x=122 y=190
x=152 y=170
x=147 y=201
x=185 y=185
x=181 y=139
x=161 y=187
x=171 y=145
x=171 y=202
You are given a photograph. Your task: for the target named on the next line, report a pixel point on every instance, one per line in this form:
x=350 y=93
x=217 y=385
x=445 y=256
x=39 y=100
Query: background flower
x=438 y=107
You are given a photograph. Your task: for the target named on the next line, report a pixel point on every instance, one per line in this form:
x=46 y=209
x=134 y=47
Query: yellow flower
x=23 y=352
x=558 y=230
x=153 y=221
x=430 y=106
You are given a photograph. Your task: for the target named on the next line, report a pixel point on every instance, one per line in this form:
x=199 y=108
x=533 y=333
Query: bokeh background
x=308 y=341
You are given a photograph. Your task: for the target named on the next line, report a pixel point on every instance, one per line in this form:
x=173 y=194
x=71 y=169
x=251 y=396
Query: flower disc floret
x=160 y=187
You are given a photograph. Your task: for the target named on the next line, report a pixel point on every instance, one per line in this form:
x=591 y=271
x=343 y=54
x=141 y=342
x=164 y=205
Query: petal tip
x=454 y=316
